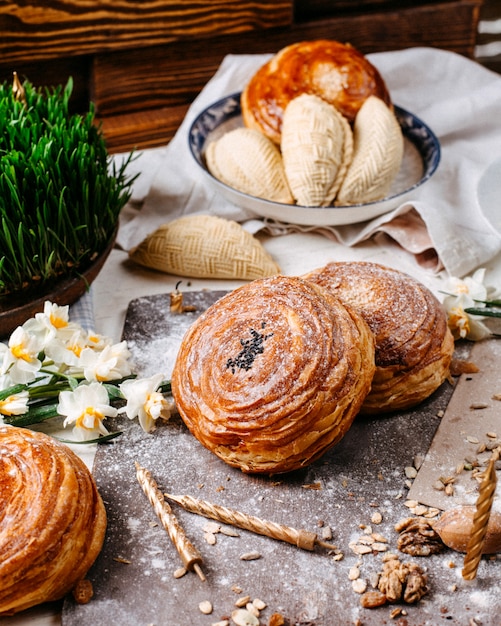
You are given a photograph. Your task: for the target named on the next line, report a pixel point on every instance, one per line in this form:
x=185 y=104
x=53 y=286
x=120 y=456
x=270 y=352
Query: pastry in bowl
x=414 y=345
x=52 y=519
x=336 y=72
x=272 y=375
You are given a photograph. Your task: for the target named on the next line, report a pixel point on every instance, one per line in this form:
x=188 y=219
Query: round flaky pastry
x=336 y=72
x=272 y=375
x=52 y=519
x=414 y=345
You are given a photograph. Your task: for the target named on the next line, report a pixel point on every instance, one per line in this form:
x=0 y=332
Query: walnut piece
x=83 y=591
x=405 y=581
x=373 y=599
x=417 y=537
x=415 y=584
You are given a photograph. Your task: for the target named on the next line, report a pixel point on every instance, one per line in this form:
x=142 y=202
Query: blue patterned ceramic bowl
x=420 y=161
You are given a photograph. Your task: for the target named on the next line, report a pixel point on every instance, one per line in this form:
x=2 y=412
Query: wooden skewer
x=301 y=538
x=480 y=521
x=191 y=557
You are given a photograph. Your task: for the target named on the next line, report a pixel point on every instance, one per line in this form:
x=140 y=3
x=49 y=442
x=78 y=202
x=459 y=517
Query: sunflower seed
x=359 y=585
x=242 y=617
x=250 y=556
x=205 y=607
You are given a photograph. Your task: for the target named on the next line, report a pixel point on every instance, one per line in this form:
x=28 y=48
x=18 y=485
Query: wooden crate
x=142 y=64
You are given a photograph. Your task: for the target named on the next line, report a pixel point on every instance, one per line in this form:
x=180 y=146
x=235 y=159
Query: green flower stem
x=34 y=415
x=11 y=391
x=492 y=303
x=165 y=387
x=100 y=439
x=485 y=312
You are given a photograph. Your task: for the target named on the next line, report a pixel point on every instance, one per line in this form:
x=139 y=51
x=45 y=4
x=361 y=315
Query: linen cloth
x=441 y=224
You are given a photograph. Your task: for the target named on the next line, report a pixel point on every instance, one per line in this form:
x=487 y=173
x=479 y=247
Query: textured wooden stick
x=480 y=521
x=190 y=556
x=301 y=538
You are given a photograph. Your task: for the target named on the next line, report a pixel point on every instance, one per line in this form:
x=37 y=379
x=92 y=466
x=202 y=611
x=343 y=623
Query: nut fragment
x=242 y=617
x=410 y=471
x=252 y=609
x=210 y=538
x=405 y=581
x=83 y=591
x=359 y=585
x=180 y=572
x=360 y=549
x=415 y=584
x=326 y=533
x=373 y=599
x=250 y=556
x=205 y=607
x=417 y=537
x=212 y=527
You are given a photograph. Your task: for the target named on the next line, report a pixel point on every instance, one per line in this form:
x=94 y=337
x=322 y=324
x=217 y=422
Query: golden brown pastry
x=52 y=519
x=336 y=72
x=414 y=346
x=272 y=375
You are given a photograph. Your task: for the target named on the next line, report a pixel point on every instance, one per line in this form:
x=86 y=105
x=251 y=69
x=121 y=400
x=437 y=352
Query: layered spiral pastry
x=272 y=375
x=414 y=345
x=52 y=519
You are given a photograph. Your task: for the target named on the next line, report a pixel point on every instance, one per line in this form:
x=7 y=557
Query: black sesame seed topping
x=250 y=349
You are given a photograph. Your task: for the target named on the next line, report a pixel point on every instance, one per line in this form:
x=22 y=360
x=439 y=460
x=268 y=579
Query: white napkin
x=442 y=224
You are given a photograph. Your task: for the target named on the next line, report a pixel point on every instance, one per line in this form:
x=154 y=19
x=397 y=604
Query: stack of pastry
x=52 y=519
x=319 y=130
x=272 y=376
x=414 y=345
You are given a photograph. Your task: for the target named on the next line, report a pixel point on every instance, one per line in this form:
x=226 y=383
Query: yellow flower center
x=20 y=352
x=95 y=415
x=75 y=348
x=458 y=322
x=4 y=407
x=57 y=322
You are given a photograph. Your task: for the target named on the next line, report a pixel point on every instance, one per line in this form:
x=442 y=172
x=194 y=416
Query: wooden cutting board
x=365 y=473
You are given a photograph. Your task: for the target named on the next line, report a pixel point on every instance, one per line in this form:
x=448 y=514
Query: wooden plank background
x=488 y=48
x=45 y=29
x=143 y=63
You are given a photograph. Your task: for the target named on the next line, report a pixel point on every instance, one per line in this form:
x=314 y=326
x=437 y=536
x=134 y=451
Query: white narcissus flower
x=96 y=341
x=464 y=294
x=66 y=352
x=111 y=363
x=53 y=322
x=20 y=360
x=144 y=401
x=86 y=407
x=16 y=404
